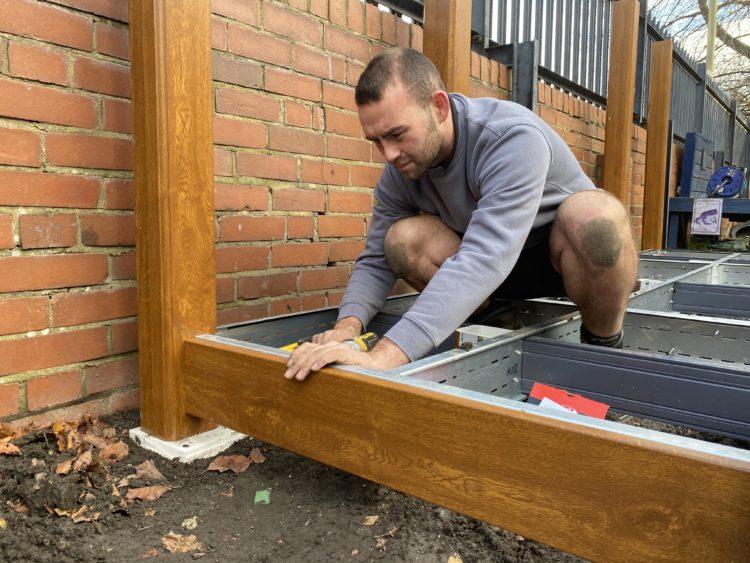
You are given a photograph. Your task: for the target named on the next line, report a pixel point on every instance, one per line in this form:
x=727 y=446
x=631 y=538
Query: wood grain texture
x=588 y=491
x=659 y=90
x=171 y=75
x=447 y=41
x=620 y=98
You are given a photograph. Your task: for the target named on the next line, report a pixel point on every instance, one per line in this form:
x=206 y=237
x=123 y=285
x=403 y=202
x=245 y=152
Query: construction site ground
x=72 y=505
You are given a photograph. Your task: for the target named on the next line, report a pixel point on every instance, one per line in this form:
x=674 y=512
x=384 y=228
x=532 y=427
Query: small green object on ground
x=263 y=496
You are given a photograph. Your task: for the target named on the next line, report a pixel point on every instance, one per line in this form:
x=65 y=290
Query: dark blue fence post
x=641 y=64
x=700 y=99
x=732 y=128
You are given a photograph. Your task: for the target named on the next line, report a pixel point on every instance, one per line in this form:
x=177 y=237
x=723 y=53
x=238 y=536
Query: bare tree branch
x=724 y=35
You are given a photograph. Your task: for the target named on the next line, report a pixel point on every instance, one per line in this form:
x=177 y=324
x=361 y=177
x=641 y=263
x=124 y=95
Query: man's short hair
x=415 y=71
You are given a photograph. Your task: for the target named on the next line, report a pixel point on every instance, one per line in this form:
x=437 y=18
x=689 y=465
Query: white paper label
x=706 y=216
x=550 y=404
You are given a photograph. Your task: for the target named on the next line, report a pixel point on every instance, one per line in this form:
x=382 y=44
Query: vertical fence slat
x=567 y=10
x=502 y=19
x=558 y=36
x=575 y=76
x=538 y=21
x=585 y=41
x=526 y=20
x=605 y=50
x=514 y=17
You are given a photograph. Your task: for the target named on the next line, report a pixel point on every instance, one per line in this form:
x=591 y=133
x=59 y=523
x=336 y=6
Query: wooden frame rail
x=589 y=491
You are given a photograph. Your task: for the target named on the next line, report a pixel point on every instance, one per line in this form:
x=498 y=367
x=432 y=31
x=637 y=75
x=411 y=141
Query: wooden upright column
x=447 y=41
x=660 y=85
x=171 y=75
x=620 y=98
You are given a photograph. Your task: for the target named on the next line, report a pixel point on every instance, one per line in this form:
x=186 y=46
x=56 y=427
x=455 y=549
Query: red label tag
x=571 y=402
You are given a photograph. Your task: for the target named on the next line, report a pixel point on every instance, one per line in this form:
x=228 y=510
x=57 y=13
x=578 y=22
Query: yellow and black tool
x=363 y=342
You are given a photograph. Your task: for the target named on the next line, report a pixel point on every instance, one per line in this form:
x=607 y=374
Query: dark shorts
x=533 y=275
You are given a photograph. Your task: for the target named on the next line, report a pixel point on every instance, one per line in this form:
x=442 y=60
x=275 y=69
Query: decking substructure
x=453 y=428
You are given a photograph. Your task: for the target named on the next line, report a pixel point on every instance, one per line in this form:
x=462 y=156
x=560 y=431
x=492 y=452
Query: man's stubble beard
x=433 y=144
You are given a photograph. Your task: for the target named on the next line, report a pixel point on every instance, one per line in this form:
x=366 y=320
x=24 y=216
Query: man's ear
x=442 y=105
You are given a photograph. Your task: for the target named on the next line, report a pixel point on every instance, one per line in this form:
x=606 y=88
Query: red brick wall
x=293 y=179
x=67 y=230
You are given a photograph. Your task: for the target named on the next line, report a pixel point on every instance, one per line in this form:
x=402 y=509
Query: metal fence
x=572 y=42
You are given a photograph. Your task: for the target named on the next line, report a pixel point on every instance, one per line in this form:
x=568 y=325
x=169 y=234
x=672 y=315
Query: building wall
x=293 y=179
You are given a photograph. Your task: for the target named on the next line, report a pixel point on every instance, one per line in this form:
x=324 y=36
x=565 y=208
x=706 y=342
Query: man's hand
x=312 y=357
x=348 y=327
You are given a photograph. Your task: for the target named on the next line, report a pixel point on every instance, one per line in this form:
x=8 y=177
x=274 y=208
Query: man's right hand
x=348 y=327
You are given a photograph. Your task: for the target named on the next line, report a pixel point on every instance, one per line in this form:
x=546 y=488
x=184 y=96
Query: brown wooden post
x=620 y=97
x=171 y=75
x=447 y=41
x=660 y=85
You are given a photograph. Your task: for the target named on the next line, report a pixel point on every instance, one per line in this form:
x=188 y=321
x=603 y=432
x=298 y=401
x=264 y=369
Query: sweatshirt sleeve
x=372 y=278
x=511 y=170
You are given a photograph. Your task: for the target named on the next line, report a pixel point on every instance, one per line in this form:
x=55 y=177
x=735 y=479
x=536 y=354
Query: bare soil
x=315 y=513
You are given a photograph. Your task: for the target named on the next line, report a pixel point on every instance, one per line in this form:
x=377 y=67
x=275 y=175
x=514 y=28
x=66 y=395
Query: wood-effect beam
x=589 y=491
x=171 y=76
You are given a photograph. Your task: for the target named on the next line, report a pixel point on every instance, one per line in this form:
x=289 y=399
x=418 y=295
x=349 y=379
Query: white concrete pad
x=200 y=446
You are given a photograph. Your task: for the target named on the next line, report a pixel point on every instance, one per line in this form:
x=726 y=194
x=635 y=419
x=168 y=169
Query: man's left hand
x=312 y=357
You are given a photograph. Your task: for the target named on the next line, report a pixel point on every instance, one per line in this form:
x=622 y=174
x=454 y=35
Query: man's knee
x=414 y=247
x=596 y=227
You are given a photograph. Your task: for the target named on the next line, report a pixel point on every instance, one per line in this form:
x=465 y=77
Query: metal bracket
x=523 y=59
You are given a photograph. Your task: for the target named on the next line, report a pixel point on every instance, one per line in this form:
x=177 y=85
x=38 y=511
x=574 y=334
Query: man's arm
x=371 y=278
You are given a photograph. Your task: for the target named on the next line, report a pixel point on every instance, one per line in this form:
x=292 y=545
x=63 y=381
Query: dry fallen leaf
x=6 y=448
x=235 y=463
x=83 y=461
x=190 y=523
x=370 y=520
x=18 y=506
x=82 y=515
x=149 y=512
x=64 y=467
x=380 y=543
x=96 y=441
x=148 y=472
x=147 y=493
x=355 y=552
x=150 y=553
x=177 y=543
x=7 y=431
x=115 y=492
x=455 y=559
x=114 y=452
x=256 y=456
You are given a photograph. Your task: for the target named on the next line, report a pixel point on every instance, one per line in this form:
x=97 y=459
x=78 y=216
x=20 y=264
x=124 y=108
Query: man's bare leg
x=416 y=247
x=592 y=247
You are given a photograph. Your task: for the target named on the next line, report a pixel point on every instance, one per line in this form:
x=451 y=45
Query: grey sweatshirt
x=508 y=173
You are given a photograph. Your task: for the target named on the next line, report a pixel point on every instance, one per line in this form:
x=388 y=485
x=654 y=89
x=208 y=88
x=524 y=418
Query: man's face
x=405 y=132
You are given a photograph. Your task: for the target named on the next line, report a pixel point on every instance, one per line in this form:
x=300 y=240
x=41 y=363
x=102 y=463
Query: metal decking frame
x=599 y=489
